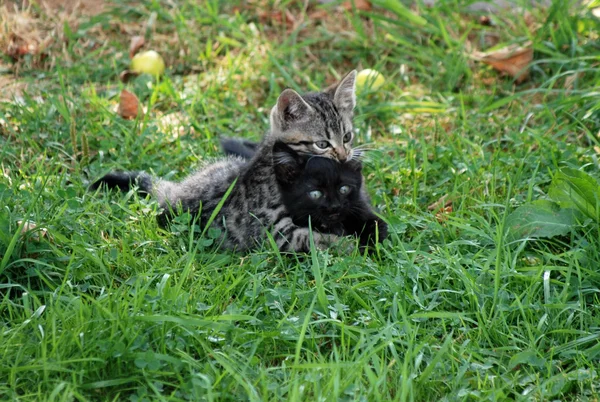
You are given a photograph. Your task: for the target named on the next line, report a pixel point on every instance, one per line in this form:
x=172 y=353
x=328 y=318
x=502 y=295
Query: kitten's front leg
x=367 y=226
x=298 y=239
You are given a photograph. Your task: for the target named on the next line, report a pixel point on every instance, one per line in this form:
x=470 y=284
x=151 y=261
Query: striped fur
x=313 y=124
x=253 y=207
x=317 y=123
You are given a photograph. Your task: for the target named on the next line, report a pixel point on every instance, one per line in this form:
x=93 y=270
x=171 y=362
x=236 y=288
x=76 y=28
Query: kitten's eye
x=315 y=194
x=347 y=137
x=322 y=144
x=344 y=190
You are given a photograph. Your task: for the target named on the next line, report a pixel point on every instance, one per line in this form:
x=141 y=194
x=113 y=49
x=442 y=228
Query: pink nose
x=341 y=154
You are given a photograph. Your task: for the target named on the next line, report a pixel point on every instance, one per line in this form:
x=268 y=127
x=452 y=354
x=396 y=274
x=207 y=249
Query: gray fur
x=254 y=206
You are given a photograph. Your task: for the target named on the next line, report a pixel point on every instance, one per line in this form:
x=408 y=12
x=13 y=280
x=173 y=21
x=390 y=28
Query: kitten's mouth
x=333 y=217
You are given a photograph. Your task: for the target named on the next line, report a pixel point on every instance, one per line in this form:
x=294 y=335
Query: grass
x=106 y=306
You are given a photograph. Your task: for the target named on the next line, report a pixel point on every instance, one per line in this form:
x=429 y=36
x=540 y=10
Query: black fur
x=239 y=147
x=124 y=181
x=335 y=213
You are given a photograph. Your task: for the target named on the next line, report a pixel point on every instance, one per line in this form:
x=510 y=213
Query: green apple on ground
x=148 y=62
x=369 y=79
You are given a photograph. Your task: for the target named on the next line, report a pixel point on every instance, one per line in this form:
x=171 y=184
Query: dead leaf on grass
x=276 y=16
x=29 y=226
x=570 y=80
x=18 y=48
x=442 y=215
x=442 y=202
x=136 y=44
x=318 y=14
x=129 y=106
x=512 y=60
x=127 y=75
x=362 y=5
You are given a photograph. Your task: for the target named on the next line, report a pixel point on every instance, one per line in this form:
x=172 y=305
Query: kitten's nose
x=333 y=208
x=341 y=154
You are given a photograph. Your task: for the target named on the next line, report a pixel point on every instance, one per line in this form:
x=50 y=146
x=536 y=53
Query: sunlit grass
x=98 y=303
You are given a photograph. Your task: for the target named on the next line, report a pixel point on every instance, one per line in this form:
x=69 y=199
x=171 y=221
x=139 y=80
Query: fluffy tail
x=239 y=147
x=124 y=181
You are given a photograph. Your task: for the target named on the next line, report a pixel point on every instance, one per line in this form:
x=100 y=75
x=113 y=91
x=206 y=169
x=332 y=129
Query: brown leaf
x=29 y=226
x=19 y=47
x=442 y=202
x=485 y=21
x=362 y=5
x=318 y=14
x=570 y=80
x=512 y=60
x=136 y=43
x=442 y=216
x=129 y=106
x=277 y=17
x=127 y=75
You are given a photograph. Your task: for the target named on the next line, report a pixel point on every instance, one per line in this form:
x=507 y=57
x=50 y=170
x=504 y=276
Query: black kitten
x=238 y=147
x=327 y=191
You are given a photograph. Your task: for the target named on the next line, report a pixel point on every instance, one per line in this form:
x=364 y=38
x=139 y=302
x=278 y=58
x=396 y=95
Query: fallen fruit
x=369 y=79
x=148 y=62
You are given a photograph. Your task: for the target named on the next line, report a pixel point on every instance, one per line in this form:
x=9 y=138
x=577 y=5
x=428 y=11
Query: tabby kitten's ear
x=290 y=108
x=344 y=92
x=287 y=163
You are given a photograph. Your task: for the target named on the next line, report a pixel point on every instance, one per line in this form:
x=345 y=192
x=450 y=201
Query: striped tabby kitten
x=318 y=123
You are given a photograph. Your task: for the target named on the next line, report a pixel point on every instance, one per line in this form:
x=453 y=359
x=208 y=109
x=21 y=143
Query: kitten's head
x=317 y=123
x=315 y=186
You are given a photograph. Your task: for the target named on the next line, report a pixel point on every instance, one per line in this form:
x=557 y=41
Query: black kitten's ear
x=286 y=162
x=344 y=92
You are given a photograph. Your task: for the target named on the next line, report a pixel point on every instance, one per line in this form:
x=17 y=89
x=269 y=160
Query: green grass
x=107 y=306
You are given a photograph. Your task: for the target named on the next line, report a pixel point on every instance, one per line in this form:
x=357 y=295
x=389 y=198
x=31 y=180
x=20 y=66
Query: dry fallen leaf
x=28 y=226
x=136 y=43
x=570 y=80
x=129 y=106
x=127 y=75
x=318 y=14
x=19 y=47
x=363 y=5
x=442 y=215
x=512 y=60
x=277 y=17
x=442 y=202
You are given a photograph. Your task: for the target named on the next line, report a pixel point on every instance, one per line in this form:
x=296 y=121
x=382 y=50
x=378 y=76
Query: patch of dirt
x=82 y=7
x=10 y=88
x=28 y=28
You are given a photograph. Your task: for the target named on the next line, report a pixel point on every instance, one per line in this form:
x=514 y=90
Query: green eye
x=344 y=190
x=322 y=144
x=347 y=137
x=315 y=194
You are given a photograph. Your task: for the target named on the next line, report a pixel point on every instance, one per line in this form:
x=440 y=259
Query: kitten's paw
x=374 y=232
x=324 y=241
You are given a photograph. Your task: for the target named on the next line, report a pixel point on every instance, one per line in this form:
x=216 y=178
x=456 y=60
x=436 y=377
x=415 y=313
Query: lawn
x=98 y=303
